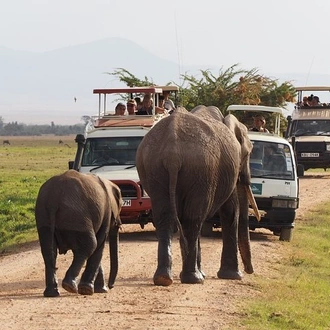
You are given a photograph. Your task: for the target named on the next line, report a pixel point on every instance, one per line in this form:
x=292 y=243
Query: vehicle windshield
x=110 y=151
x=311 y=127
x=271 y=160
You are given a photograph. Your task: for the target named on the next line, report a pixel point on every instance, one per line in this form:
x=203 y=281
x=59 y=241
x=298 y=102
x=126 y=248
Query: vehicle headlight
x=327 y=146
x=285 y=203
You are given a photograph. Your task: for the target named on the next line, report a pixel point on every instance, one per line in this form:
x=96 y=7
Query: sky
x=280 y=36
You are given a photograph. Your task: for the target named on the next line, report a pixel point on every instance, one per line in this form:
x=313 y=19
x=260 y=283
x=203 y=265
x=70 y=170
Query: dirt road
x=135 y=303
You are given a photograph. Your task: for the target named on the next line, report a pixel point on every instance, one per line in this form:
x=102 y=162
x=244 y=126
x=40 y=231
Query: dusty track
x=135 y=303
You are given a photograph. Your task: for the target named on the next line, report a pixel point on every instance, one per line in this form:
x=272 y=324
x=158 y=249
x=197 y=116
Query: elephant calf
x=78 y=212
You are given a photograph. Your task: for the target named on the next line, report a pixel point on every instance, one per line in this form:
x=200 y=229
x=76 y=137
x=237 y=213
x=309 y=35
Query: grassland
x=298 y=297
x=25 y=165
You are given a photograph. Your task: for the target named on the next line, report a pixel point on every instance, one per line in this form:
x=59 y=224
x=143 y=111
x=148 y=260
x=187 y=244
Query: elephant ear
x=116 y=203
x=241 y=133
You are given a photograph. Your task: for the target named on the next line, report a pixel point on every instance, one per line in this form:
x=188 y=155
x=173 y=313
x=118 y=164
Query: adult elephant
x=77 y=212
x=193 y=165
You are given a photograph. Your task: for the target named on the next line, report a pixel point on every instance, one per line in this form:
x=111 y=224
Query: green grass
x=298 y=296
x=25 y=165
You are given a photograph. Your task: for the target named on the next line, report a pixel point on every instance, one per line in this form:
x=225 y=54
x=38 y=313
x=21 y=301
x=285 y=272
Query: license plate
x=127 y=202
x=310 y=154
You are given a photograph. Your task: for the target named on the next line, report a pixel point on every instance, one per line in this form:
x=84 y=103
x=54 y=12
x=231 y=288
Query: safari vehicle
x=108 y=149
x=274 y=180
x=309 y=131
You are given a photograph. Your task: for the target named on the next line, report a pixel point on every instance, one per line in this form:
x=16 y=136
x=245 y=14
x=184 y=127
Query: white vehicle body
x=108 y=149
x=275 y=183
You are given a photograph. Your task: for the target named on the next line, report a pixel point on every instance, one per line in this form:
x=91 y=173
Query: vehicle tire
x=286 y=234
x=207 y=229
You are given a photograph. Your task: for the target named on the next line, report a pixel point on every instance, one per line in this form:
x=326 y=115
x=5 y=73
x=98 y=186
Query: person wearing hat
x=259 y=124
x=131 y=107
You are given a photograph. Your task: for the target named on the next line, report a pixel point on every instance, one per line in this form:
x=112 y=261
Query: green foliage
x=129 y=79
x=230 y=86
x=25 y=165
x=299 y=297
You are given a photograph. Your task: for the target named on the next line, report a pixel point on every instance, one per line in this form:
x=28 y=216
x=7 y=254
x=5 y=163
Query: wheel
x=286 y=234
x=207 y=229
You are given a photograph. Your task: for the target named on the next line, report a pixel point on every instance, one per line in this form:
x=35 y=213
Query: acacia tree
x=230 y=86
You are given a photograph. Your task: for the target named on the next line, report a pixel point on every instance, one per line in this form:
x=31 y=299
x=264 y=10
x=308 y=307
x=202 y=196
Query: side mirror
x=70 y=164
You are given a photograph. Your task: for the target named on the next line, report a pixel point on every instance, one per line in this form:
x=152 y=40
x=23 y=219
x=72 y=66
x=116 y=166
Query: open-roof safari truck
x=309 y=129
x=109 y=145
x=274 y=180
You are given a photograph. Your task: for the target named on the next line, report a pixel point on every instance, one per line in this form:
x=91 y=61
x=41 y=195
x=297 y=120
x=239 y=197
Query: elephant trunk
x=113 y=247
x=243 y=229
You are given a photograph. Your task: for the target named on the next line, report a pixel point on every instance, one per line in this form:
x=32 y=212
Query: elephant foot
x=99 y=289
x=70 y=285
x=86 y=289
x=228 y=274
x=51 y=292
x=163 y=280
x=192 y=277
x=248 y=269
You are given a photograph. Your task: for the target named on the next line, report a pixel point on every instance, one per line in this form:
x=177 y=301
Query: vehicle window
x=273 y=160
x=311 y=127
x=110 y=151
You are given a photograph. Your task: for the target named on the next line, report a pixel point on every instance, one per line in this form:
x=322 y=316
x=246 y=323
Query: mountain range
x=41 y=87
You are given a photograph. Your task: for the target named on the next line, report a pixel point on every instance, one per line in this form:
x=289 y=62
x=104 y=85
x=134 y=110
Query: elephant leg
x=164 y=223
x=163 y=275
x=93 y=270
x=191 y=256
x=49 y=254
x=99 y=284
x=81 y=253
x=229 y=261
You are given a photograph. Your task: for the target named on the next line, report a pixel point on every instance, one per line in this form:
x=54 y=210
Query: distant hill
x=40 y=87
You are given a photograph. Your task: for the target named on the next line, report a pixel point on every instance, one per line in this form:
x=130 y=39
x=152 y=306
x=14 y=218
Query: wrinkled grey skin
x=193 y=165
x=78 y=212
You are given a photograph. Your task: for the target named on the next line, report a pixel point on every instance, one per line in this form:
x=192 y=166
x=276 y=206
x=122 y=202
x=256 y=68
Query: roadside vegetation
x=229 y=86
x=25 y=165
x=298 y=295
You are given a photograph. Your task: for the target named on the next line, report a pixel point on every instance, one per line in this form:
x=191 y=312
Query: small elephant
x=77 y=212
x=194 y=165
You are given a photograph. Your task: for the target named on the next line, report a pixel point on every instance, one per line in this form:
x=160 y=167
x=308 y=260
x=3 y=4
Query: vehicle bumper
x=137 y=207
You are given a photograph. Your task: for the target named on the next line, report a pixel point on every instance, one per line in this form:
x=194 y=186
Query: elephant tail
x=174 y=210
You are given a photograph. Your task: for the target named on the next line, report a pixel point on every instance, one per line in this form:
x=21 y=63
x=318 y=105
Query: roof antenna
x=177 y=47
x=309 y=71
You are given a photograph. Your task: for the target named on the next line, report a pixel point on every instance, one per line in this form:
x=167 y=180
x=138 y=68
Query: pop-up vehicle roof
x=105 y=119
x=301 y=90
x=309 y=128
x=260 y=108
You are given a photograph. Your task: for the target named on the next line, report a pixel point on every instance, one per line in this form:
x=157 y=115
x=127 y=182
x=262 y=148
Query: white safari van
x=274 y=180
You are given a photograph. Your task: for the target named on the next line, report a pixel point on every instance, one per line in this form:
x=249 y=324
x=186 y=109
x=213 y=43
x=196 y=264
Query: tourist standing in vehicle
x=131 y=107
x=168 y=103
x=146 y=108
x=259 y=124
x=120 y=109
